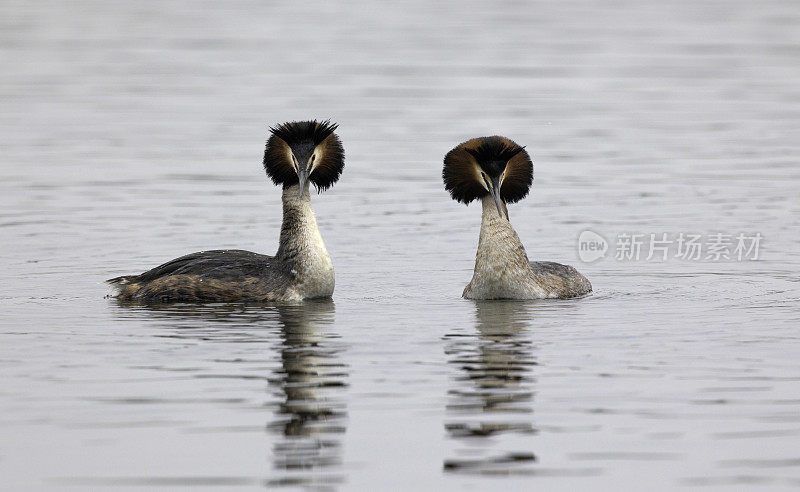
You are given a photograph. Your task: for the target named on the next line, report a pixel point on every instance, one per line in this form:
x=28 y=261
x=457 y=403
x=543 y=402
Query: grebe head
x=488 y=165
x=301 y=151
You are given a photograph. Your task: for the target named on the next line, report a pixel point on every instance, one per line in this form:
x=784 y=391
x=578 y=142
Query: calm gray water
x=132 y=133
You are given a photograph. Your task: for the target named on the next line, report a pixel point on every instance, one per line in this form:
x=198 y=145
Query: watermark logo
x=591 y=246
x=665 y=246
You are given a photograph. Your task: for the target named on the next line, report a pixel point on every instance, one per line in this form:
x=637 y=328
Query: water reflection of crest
x=312 y=415
x=492 y=396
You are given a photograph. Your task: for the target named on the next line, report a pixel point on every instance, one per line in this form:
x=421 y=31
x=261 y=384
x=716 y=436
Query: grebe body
x=297 y=154
x=497 y=171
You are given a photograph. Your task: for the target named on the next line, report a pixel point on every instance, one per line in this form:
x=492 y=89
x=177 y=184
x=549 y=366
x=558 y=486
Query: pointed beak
x=302 y=177
x=496 y=183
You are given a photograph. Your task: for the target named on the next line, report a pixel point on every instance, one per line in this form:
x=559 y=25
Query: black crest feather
x=295 y=132
x=302 y=138
x=493 y=155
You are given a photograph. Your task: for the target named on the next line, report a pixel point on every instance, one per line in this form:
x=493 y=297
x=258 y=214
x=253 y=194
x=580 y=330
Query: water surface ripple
x=132 y=133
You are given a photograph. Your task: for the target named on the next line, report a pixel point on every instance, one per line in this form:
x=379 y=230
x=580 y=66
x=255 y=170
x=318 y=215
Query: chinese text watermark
x=665 y=246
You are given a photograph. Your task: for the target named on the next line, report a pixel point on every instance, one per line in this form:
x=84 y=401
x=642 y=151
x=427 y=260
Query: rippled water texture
x=132 y=133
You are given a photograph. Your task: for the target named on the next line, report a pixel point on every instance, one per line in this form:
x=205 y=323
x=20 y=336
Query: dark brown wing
x=218 y=264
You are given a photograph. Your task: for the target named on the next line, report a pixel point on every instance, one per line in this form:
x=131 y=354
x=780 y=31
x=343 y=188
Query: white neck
x=501 y=264
x=299 y=222
x=498 y=242
x=302 y=246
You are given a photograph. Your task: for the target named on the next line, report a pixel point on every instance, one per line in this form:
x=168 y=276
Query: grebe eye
x=313 y=156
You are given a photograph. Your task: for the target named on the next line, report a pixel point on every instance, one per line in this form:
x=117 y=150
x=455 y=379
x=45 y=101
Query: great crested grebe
x=297 y=153
x=498 y=171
